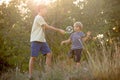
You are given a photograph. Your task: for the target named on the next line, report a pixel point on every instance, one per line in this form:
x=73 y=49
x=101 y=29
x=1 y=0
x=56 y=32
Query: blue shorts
x=37 y=47
x=75 y=54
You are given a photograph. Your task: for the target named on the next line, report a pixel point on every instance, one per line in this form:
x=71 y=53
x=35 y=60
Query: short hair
x=78 y=24
x=41 y=6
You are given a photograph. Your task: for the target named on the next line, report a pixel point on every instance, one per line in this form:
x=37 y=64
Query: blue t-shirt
x=76 y=39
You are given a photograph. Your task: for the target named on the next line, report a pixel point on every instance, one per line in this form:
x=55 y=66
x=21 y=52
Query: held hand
x=88 y=33
x=62 y=31
x=62 y=42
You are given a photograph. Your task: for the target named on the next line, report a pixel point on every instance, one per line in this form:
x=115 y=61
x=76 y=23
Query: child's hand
x=62 y=42
x=88 y=33
x=62 y=31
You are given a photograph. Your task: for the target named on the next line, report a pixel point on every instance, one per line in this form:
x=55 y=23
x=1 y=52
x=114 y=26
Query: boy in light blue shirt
x=77 y=39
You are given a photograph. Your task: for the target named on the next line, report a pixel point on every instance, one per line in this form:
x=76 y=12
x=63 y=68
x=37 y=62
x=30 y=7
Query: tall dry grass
x=101 y=64
x=104 y=64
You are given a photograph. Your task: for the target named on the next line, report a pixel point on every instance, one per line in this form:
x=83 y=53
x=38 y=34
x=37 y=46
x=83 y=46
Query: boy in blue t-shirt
x=77 y=39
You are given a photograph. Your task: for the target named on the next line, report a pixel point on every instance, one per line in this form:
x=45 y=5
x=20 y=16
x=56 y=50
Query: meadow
x=97 y=64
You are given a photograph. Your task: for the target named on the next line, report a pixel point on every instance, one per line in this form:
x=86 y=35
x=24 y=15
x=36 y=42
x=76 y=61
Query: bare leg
x=48 y=59
x=31 y=63
x=77 y=64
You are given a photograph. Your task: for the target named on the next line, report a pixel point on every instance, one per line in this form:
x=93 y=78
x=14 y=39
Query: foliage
x=97 y=16
x=13 y=35
x=114 y=19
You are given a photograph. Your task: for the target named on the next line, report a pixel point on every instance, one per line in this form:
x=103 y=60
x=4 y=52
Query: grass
x=104 y=64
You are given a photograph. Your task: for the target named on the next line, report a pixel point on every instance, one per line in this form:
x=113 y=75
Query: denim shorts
x=76 y=54
x=39 y=47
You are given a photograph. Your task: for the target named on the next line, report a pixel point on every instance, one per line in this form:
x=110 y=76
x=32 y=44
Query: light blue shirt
x=76 y=39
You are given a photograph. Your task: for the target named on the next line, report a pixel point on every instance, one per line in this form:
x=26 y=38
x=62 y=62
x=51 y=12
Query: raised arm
x=53 y=28
x=87 y=36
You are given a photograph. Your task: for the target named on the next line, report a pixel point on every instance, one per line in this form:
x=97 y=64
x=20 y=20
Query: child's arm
x=55 y=29
x=87 y=36
x=66 y=41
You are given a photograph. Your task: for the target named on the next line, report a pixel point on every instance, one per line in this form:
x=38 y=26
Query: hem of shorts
x=38 y=41
x=33 y=56
x=75 y=48
x=46 y=53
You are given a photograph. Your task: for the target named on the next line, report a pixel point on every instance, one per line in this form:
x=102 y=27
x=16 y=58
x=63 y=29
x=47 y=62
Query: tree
x=112 y=9
x=14 y=36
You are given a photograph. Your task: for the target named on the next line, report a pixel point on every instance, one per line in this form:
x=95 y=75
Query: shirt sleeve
x=82 y=34
x=41 y=21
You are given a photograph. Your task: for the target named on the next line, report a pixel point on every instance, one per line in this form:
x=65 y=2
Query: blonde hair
x=41 y=6
x=78 y=24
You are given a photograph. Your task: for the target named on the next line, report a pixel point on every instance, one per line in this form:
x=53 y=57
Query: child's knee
x=32 y=58
x=49 y=55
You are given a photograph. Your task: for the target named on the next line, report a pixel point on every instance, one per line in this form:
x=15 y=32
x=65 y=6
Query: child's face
x=44 y=11
x=77 y=28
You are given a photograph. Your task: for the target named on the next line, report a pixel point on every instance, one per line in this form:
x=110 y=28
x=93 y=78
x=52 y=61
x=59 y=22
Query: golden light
x=43 y=1
x=107 y=40
x=114 y=28
x=4 y=1
x=77 y=1
x=100 y=36
x=81 y=0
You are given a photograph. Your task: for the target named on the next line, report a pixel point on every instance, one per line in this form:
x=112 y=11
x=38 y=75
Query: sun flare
x=44 y=1
x=4 y=1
